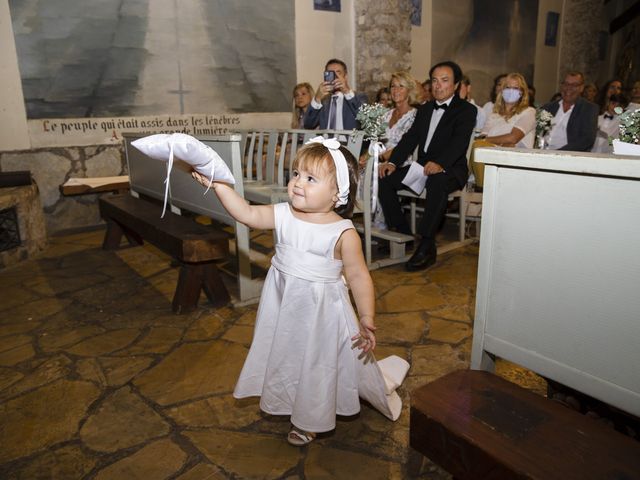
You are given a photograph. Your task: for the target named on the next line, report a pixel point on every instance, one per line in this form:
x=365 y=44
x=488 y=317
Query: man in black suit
x=575 y=124
x=441 y=131
x=335 y=105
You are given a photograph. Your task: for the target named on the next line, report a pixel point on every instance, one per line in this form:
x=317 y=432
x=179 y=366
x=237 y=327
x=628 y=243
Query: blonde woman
x=400 y=118
x=302 y=95
x=512 y=122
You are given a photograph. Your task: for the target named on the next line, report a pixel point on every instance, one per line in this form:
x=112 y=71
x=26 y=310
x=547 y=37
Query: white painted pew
x=559 y=270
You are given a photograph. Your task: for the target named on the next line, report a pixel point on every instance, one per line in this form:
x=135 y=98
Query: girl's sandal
x=300 y=438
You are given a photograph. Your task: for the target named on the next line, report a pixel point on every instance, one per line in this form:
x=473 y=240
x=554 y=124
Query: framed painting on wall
x=416 y=13
x=551 y=29
x=330 y=5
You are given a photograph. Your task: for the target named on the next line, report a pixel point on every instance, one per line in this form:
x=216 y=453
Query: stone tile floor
x=100 y=380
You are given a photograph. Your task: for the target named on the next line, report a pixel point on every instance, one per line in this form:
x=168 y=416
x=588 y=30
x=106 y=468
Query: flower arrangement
x=629 y=125
x=370 y=118
x=543 y=122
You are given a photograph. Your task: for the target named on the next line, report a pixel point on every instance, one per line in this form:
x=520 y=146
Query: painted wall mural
x=112 y=58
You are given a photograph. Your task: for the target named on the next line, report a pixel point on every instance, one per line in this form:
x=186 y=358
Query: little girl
x=303 y=360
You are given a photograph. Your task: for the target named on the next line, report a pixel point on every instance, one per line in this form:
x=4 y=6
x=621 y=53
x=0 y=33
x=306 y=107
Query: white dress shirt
x=435 y=120
x=607 y=127
x=558 y=135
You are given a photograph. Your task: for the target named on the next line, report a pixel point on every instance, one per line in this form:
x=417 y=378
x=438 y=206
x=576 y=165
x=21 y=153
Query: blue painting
x=551 y=29
x=416 y=12
x=330 y=5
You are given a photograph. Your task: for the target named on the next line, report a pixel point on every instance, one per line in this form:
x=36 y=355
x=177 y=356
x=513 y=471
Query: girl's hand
x=366 y=338
x=204 y=181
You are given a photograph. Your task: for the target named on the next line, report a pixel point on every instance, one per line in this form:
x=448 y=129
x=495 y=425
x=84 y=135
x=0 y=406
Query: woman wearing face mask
x=512 y=122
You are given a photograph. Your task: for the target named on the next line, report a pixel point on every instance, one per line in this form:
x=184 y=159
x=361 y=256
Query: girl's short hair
x=501 y=109
x=408 y=82
x=316 y=157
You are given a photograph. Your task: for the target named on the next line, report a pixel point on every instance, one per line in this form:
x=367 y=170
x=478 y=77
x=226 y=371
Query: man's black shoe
x=422 y=258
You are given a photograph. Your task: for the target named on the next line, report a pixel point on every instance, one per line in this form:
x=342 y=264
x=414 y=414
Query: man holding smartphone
x=335 y=105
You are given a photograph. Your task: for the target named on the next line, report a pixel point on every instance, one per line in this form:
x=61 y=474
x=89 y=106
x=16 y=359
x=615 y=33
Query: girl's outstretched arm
x=361 y=285
x=254 y=216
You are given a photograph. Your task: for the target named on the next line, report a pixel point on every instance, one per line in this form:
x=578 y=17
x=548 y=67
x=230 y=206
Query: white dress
x=301 y=362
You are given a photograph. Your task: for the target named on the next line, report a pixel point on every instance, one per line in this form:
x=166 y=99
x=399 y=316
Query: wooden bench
x=556 y=294
x=82 y=186
x=477 y=425
x=195 y=246
x=147 y=178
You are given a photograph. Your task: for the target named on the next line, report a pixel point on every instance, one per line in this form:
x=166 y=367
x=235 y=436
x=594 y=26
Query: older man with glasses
x=575 y=120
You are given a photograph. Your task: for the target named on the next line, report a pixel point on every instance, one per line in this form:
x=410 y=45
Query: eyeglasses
x=571 y=85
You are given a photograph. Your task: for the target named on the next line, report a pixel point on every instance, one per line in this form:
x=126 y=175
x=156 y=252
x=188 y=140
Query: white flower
x=630 y=126
x=543 y=122
x=370 y=118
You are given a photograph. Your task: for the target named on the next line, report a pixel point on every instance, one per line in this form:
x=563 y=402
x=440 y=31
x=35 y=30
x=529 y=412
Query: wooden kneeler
x=196 y=247
x=476 y=425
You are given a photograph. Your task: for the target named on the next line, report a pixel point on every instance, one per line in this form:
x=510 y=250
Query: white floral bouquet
x=370 y=118
x=543 y=122
x=629 y=125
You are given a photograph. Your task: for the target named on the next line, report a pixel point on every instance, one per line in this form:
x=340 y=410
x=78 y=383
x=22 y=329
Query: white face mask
x=511 y=95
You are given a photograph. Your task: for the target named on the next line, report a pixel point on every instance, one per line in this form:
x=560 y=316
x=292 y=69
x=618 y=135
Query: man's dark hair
x=338 y=61
x=575 y=73
x=457 y=71
x=620 y=99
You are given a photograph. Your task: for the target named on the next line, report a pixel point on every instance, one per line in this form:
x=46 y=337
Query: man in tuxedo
x=441 y=131
x=575 y=122
x=335 y=105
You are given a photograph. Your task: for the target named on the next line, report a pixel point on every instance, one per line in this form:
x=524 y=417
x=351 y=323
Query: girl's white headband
x=342 y=171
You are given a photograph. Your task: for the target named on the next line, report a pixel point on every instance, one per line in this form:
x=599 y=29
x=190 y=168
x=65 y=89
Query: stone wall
x=383 y=42
x=583 y=20
x=51 y=167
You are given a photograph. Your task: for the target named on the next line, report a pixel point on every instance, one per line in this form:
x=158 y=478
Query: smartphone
x=329 y=76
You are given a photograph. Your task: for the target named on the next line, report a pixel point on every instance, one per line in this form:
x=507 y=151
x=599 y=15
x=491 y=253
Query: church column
x=383 y=42
x=583 y=21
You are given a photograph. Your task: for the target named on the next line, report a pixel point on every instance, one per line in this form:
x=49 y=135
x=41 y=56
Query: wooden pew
x=477 y=425
x=147 y=178
x=196 y=247
x=556 y=294
x=267 y=157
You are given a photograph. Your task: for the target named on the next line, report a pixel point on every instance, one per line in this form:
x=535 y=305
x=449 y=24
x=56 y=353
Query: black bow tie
x=610 y=117
x=444 y=106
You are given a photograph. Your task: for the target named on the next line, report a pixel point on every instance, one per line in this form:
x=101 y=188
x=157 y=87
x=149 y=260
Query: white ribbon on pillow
x=201 y=157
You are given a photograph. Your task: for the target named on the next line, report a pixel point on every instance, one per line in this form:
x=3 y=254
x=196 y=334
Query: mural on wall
x=110 y=58
x=486 y=37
